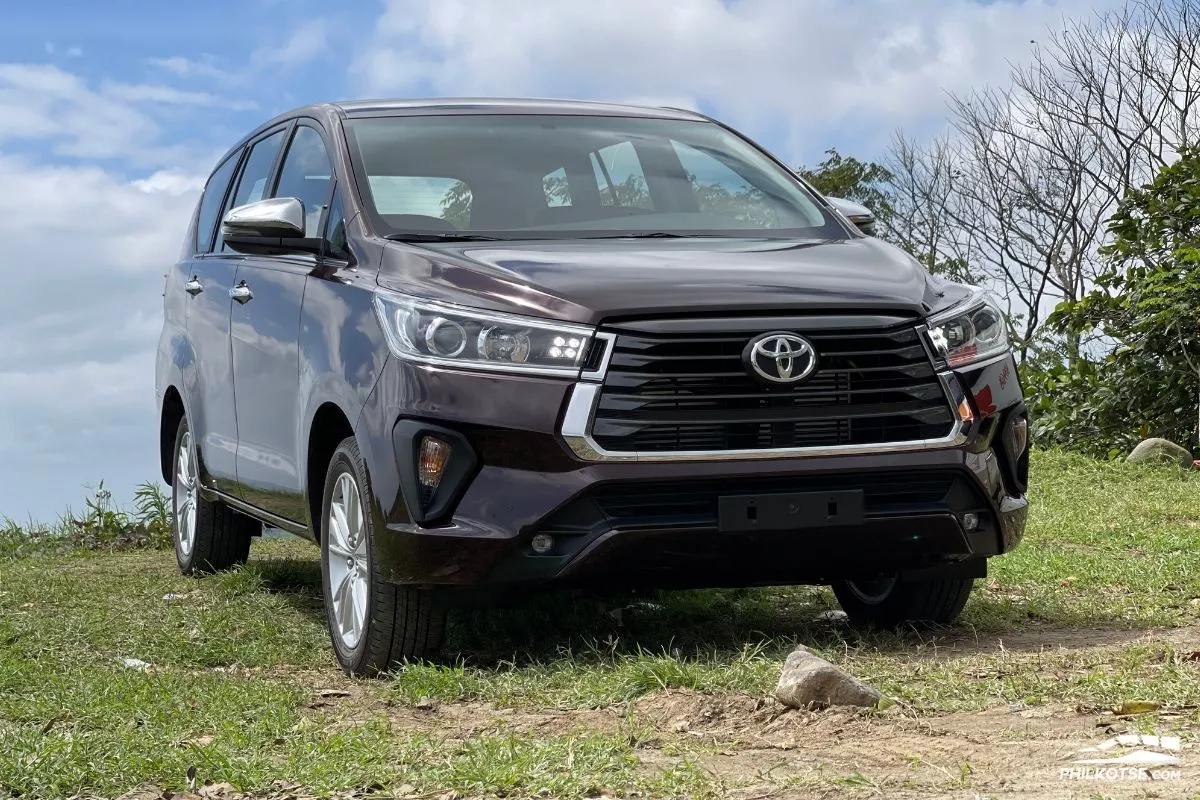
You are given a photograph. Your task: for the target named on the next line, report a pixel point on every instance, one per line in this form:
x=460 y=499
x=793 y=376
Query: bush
x=102 y=526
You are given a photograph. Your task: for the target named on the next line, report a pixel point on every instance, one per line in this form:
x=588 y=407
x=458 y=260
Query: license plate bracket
x=791 y=511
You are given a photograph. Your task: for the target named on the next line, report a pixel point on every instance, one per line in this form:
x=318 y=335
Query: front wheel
x=889 y=602
x=374 y=625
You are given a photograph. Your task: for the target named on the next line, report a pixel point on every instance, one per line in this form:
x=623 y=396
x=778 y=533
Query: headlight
x=439 y=333
x=971 y=331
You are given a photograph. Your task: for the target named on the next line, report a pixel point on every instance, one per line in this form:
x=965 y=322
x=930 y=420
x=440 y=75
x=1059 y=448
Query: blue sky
x=112 y=114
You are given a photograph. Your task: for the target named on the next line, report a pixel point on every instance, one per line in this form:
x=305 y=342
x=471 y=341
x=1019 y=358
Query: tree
x=927 y=212
x=1148 y=302
x=861 y=181
x=1020 y=190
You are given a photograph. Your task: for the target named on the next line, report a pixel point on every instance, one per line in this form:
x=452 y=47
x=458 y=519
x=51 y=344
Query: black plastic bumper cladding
x=1015 y=466
x=669 y=533
x=460 y=469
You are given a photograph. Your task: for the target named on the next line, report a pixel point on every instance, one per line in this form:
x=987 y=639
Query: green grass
x=238 y=659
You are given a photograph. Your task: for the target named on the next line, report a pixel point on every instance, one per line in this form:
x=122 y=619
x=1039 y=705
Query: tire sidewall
x=347 y=459
x=885 y=610
x=184 y=562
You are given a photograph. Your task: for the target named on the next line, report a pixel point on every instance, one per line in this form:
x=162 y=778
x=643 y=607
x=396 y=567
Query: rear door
x=265 y=334
x=208 y=378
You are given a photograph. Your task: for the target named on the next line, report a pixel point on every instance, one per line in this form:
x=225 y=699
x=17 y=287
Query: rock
x=1160 y=451
x=143 y=793
x=809 y=681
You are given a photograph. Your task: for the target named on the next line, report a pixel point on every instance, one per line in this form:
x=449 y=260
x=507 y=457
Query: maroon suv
x=503 y=344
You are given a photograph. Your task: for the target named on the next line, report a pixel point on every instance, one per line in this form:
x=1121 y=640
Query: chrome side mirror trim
x=278 y=216
x=859 y=215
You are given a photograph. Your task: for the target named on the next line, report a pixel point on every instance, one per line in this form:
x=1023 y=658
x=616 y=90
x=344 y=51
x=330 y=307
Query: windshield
x=521 y=176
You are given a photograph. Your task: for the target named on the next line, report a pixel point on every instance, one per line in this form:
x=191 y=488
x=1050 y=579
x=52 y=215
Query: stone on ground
x=1160 y=451
x=809 y=681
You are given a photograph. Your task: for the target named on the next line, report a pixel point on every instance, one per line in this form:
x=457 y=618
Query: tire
x=209 y=535
x=374 y=625
x=890 y=602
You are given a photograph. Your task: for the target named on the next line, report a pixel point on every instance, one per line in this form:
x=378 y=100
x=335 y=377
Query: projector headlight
x=971 y=331
x=456 y=336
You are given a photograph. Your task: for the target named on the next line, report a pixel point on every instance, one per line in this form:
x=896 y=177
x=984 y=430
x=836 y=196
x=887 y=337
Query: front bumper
x=655 y=523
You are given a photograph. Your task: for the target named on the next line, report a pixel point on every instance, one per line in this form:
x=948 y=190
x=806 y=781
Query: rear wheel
x=374 y=625
x=888 y=602
x=209 y=535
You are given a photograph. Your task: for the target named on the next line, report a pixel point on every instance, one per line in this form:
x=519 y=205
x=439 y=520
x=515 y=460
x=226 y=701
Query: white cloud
x=806 y=69
x=80 y=317
x=45 y=104
x=304 y=44
x=182 y=67
x=153 y=93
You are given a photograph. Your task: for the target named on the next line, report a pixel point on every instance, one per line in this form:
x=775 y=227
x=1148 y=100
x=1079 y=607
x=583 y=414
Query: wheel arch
x=173 y=411
x=330 y=425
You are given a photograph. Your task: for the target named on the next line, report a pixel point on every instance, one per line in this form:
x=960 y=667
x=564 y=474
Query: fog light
x=431 y=465
x=542 y=543
x=970 y=521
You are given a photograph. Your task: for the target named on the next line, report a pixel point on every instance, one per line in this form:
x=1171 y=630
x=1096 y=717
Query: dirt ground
x=759 y=749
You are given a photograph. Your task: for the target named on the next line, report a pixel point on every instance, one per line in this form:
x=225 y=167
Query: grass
x=240 y=681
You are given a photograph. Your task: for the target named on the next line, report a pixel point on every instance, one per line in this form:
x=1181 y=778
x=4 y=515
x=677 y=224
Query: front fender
x=342 y=354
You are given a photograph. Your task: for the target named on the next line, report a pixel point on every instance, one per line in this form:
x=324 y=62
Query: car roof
x=507 y=105
x=330 y=111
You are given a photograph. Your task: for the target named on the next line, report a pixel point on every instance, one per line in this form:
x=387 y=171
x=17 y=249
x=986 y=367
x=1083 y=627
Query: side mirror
x=858 y=214
x=268 y=227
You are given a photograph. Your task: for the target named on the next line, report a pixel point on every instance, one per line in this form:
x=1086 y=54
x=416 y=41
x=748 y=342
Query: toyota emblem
x=780 y=357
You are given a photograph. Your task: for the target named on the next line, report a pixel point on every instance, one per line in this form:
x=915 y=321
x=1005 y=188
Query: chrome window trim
x=576 y=427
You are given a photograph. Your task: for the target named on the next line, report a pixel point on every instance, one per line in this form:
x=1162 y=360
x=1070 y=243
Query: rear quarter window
x=210 y=203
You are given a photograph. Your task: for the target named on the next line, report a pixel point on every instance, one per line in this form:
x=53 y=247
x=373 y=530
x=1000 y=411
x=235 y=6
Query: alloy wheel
x=186 y=495
x=348 y=563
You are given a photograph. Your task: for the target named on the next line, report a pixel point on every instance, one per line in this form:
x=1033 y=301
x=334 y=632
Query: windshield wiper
x=654 y=235
x=441 y=237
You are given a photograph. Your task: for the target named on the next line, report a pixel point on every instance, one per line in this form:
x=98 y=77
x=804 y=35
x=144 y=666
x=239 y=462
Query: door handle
x=241 y=293
x=193 y=287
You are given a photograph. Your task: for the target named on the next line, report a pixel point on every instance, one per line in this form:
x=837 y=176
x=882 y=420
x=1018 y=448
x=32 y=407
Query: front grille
x=691 y=391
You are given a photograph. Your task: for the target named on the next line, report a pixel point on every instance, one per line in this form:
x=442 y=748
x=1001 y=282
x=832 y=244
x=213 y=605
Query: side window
x=447 y=199
x=558 y=192
x=252 y=184
x=305 y=175
x=620 y=176
x=721 y=191
x=210 y=203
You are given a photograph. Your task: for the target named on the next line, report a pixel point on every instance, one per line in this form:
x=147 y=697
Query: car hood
x=596 y=280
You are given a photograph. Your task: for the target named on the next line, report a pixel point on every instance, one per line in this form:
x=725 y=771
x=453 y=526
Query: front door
x=266 y=350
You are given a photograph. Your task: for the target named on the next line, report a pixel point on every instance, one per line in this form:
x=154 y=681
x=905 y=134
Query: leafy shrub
x=102 y=526
x=1144 y=304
